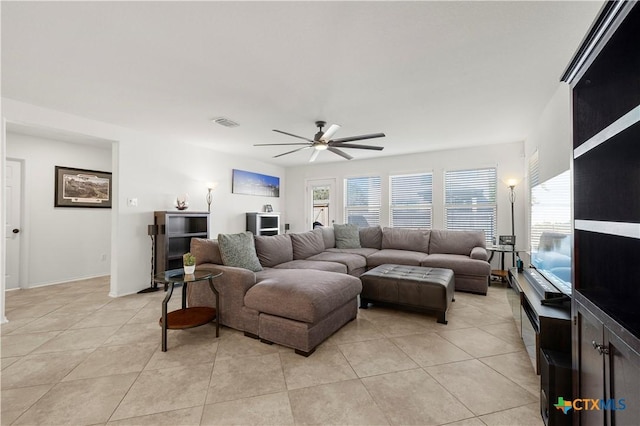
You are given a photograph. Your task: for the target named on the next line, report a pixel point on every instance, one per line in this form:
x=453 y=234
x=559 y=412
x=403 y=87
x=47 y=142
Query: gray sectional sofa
x=306 y=284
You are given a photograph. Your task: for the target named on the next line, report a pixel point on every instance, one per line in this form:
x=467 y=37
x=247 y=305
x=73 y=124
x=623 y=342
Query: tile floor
x=73 y=355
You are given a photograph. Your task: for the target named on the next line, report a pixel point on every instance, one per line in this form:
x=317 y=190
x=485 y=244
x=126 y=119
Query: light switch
x=132 y=202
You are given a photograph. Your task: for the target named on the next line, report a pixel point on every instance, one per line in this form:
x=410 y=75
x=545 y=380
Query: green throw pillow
x=239 y=250
x=347 y=236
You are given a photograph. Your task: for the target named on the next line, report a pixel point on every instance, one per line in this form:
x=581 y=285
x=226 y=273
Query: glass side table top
x=178 y=276
x=505 y=249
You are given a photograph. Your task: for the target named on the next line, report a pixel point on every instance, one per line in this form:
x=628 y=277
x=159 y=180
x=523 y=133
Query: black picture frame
x=268 y=208
x=82 y=188
x=507 y=240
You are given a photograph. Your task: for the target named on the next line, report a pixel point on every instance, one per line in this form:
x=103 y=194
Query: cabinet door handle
x=602 y=349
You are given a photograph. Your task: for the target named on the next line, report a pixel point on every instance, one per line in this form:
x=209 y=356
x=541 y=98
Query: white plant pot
x=189 y=269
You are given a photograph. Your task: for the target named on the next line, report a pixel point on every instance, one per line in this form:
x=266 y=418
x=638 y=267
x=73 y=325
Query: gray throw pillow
x=239 y=250
x=347 y=236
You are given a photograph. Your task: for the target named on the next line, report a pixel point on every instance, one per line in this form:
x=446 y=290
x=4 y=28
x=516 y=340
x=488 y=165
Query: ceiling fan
x=323 y=141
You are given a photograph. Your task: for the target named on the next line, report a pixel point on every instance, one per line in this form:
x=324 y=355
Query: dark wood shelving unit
x=605 y=81
x=175 y=230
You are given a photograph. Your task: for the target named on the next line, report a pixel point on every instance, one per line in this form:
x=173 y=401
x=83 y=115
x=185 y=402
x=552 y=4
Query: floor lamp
x=152 y=231
x=512 y=200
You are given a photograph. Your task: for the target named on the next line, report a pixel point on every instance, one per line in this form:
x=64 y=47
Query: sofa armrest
x=232 y=286
x=479 y=253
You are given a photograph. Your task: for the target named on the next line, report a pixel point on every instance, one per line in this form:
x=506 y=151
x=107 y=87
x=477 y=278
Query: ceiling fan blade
x=340 y=153
x=314 y=155
x=295 y=136
x=359 y=138
x=277 y=144
x=326 y=136
x=291 y=152
x=349 y=145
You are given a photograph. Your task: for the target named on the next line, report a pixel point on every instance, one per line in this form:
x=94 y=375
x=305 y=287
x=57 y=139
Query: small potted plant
x=189 y=263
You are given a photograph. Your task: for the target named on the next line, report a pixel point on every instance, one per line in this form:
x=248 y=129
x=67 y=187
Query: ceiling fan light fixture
x=323 y=141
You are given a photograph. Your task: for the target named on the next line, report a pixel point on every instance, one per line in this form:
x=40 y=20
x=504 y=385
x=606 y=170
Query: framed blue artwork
x=250 y=183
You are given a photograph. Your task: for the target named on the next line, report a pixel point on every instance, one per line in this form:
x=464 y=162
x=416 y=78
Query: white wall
x=154 y=170
x=552 y=135
x=552 y=138
x=59 y=244
x=508 y=158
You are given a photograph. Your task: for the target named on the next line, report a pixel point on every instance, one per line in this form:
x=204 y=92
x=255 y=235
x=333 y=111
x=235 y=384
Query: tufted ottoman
x=413 y=286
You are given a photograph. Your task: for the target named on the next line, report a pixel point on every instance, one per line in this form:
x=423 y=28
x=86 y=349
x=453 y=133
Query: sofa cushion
x=353 y=262
x=455 y=242
x=328 y=236
x=273 y=250
x=307 y=244
x=405 y=239
x=239 y=250
x=281 y=292
x=398 y=257
x=318 y=265
x=347 y=236
x=365 y=252
x=459 y=263
x=371 y=237
x=206 y=250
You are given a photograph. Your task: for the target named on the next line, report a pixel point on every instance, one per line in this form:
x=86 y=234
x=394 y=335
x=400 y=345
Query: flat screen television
x=551 y=231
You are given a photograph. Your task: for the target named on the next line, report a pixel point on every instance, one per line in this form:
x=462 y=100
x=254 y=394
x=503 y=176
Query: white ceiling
x=431 y=75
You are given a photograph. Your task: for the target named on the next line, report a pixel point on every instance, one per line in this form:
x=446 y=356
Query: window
x=411 y=200
x=470 y=200
x=362 y=201
x=534 y=180
x=551 y=212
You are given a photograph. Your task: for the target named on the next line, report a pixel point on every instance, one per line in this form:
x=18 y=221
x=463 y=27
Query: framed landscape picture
x=250 y=183
x=82 y=188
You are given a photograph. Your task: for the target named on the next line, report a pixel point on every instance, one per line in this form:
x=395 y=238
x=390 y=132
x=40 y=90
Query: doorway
x=321 y=206
x=13 y=225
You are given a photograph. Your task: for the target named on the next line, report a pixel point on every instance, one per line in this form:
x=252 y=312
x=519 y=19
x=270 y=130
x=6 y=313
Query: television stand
x=542 y=323
x=563 y=300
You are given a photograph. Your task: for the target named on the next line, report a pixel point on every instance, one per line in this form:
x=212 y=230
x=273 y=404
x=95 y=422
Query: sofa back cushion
x=206 y=251
x=274 y=250
x=371 y=237
x=239 y=250
x=455 y=242
x=328 y=236
x=347 y=236
x=405 y=239
x=307 y=244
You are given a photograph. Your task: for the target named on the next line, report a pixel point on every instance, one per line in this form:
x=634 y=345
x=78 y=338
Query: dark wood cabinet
x=605 y=80
x=175 y=230
x=540 y=326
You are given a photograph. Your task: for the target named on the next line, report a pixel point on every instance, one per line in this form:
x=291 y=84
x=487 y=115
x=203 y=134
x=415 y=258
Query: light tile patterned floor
x=72 y=355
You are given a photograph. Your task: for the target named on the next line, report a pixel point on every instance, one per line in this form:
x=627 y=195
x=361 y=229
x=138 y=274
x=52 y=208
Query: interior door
x=321 y=206
x=13 y=188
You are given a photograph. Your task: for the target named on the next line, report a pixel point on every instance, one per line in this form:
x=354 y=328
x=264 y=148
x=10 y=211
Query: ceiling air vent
x=225 y=122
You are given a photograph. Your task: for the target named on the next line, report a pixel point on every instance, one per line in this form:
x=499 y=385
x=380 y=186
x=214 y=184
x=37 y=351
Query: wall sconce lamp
x=211 y=186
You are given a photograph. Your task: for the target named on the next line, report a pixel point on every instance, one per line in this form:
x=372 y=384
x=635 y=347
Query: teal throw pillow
x=239 y=250
x=347 y=236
